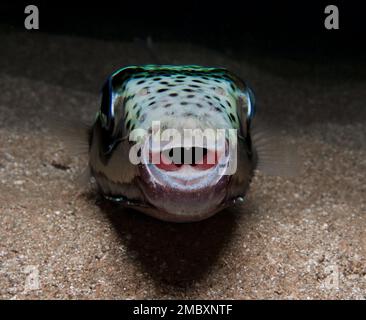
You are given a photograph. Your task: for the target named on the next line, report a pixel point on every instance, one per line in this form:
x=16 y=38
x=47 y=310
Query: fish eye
x=251 y=102
x=106 y=108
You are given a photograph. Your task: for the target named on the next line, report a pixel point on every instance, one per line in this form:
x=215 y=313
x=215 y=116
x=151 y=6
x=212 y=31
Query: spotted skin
x=142 y=94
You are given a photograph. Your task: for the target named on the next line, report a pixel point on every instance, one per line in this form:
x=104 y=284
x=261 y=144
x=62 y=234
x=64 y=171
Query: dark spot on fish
x=194 y=86
x=162 y=90
x=228 y=103
x=184 y=103
x=187 y=114
x=199 y=105
x=157 y=79
x=174 y=94
x=197 y=80
x=167 y=105
x=128 y=124
x=218 y=109
x=143 y=117
x=188 y=90
x=140 y=81
x=222 y=106
x=232 y=117
x=190 y=96
x=151 y=103
x=138 y=113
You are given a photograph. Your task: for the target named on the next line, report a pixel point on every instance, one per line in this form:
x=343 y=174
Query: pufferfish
x=179 y=98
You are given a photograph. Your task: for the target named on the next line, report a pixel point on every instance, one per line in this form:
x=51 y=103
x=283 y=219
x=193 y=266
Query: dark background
x=293 y=29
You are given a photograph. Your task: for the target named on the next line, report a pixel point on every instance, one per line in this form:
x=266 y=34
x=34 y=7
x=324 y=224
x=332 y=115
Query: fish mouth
x=182 y=191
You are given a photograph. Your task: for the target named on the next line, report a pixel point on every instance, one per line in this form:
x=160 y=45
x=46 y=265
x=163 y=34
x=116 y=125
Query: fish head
x=174 y=141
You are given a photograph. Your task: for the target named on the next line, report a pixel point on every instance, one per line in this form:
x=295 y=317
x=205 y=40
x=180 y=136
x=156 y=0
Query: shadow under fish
x=172 y=255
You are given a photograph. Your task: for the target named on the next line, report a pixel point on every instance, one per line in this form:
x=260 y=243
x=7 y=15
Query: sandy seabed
x=303 y=237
